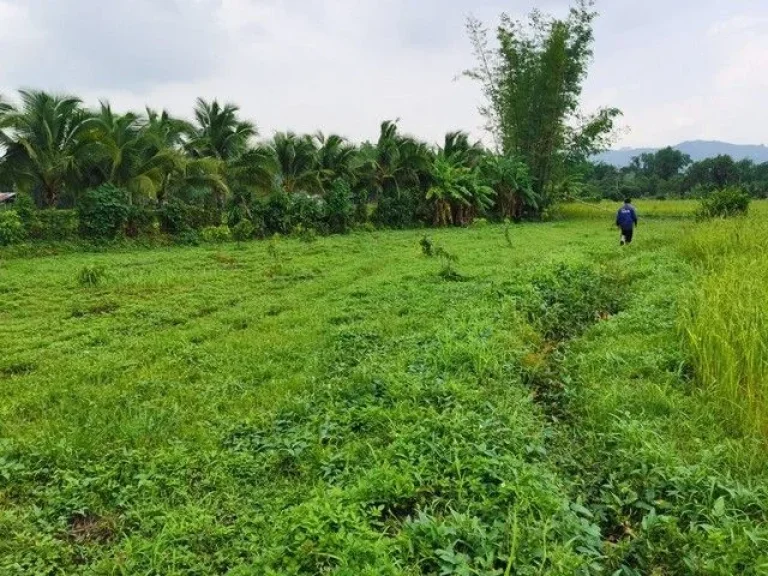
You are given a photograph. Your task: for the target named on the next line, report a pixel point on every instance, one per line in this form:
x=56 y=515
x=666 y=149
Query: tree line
x=213 y=170
x=670 y=173
x=128 y=173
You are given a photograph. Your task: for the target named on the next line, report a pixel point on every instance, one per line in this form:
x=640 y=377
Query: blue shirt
x=626 y=218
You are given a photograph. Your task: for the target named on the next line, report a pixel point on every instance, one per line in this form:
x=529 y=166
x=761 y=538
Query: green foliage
x=243 y=230
x=397 y=211
x=216 y=234
x=178 y=216
x=568 y=299
x=307 y=211
x=26 y=209
x=174 y=217
x=456 y=193
x=732 y=201
x=509 y=178
x=339 y=208
x=671 y=174
x=532 y=80
x=46 y=148
x=448 y=263
x=91 y=275
x=140 y=220
x=11 y=228
x=54 y=225
x=103 y=212
x=274 y=214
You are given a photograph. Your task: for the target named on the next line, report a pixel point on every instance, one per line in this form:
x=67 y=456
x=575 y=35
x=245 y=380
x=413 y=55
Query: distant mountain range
x=696 y=149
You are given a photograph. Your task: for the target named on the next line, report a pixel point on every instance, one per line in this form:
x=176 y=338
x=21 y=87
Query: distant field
x=646 y=208
x=352 y=406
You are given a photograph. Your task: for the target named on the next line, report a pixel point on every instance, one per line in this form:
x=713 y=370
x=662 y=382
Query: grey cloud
x=113 y=45
x=680 y=70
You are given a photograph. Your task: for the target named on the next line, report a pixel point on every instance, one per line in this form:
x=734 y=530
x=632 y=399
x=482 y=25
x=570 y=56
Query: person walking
x=626 y=220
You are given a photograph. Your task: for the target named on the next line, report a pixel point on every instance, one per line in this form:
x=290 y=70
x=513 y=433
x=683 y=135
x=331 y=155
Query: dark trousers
x=627 y=235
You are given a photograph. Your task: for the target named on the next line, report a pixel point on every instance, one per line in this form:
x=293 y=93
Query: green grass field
x=548 y=404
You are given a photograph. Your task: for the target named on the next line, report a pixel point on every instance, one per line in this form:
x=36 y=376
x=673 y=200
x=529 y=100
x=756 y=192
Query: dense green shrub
x=103 y=212
x=398 y=211
x=282 y=214
x=174 y=217
x=731 y=201
x=25 y=207
x=53 y=225
x=273 y=214
x=177 y=216
x=11 y=228
x=243 y=230
x=339 y=208
x=216 y=233
x=307 y=211
x=140 y=220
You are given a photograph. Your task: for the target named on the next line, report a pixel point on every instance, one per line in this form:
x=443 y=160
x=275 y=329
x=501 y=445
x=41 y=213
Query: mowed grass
x=339 y=407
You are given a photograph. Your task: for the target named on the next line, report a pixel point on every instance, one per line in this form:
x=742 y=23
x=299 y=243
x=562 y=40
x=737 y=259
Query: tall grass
x=725 y=319
x=579 y=210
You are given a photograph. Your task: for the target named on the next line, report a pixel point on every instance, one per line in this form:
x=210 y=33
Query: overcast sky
x=679 y=69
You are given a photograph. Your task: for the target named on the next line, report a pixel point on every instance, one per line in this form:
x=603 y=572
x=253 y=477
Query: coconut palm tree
x=460 y=150
x=218 y=132
x=336 y=159
x=165 y=131
x=252 y=175
x=298 y=169
x=395 y=163
x=43 y=142
x=128 y=155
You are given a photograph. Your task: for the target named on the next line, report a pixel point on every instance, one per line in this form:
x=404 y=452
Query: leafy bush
x=731 y=201
x=396 y=211
x=282 y=214
x=243 y=230
x=570 y=298
x=174 y=217
x=91 y=275
x=216 y=233
x=25 y=207
x=339 y=208
x=103 y=212
x=53 y=225
x=140 y=220
x=11 y=228
x=178 y=216
x=307 y=211
x=273 y=214
x=188 y=237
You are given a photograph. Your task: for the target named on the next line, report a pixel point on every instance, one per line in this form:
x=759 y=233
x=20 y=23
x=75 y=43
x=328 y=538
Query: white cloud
x=346 y=65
